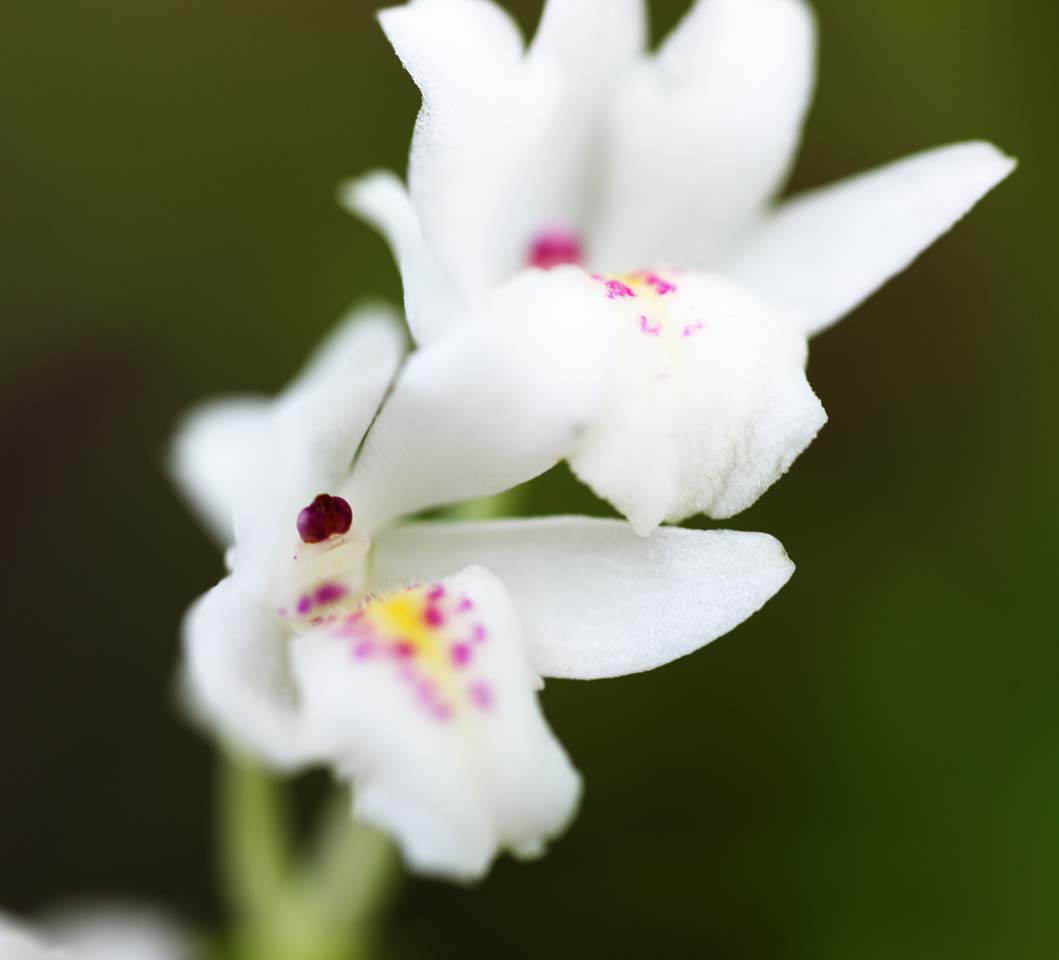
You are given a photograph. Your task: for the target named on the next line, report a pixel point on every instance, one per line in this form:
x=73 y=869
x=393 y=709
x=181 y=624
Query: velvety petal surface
x=424 y=701
x=590 y=45
x=706 y=404
x=701 y=135
x=237 y=675
x=486 y=110
x=826 y=251
x=431 y=304
x=499 y=401
x=597 y=600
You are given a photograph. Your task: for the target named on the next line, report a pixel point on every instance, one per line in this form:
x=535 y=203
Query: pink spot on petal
x=465 y=604
x=461 y=654
x=478 y=634
x=436 y=592
x=442 y=712
x=661 y=287
x=433 y=617
x=426 y=689
x=692 y=328
x=616 y=290
x=305 y=604
x=481 y=695
x=404 y=650
x=553 y=248
x=651 y=329
x=330 y=593
x=365 y=650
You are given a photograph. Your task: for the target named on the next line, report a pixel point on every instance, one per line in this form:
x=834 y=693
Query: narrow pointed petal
x=597 y=600
x=825 y=252
x=431 y=305
x=702 y=135
x=706 y=405
x=521 y=382
x=425 y=702
x=485 y=111
x=237 y=677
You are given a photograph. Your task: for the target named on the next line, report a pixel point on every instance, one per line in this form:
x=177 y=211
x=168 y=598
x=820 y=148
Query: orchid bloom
x=407 y=656
x=109 y=933
x=650 y=179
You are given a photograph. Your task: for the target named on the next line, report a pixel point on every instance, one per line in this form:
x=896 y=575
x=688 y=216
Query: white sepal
x=431 y=304
x=826 y=251
x=486 y=111
x=597 y=600
x=701 y=135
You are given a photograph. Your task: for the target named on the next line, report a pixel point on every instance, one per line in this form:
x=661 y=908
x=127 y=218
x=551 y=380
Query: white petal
x=17 y=943
x=592 y=44
x=707 y=403
x=424 y=700
x=702 y=135
x=249 y=465
x=431 y=305
x=485 y=111
x=237 y=674
x=314 y=428
x=591 y=37
x=597 y=600
x=825 y=252
x=326 y=411
x=213 y=456
x=499 y=401
x=118 y=932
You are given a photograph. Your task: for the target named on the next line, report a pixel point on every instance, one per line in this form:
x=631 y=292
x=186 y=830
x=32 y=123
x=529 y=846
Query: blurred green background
x=867 y=769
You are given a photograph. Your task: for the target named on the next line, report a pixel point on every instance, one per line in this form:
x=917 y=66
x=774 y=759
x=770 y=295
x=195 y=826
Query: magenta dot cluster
x=463 y=634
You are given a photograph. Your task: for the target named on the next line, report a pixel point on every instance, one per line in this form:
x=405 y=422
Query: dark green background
x=867 y=769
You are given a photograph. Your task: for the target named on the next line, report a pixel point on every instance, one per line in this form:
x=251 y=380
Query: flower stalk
x=323 y=903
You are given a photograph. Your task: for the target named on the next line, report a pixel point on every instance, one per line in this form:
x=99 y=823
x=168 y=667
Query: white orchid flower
x=408 y=656
x=96 y=933
x=655 y=175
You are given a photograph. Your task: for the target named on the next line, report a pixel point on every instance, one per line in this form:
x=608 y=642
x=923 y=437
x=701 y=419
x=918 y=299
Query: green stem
x=324 y=905
x=255 y=841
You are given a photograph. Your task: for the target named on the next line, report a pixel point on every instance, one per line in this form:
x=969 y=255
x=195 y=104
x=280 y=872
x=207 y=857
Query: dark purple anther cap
x=325 y=517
